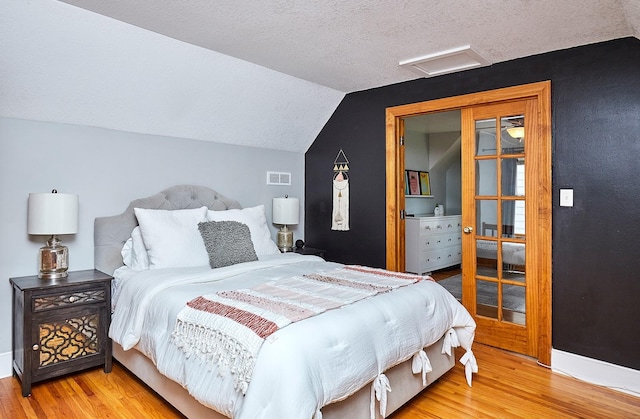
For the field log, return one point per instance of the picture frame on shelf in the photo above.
(425, 185)
(406, 182)
(413, 182)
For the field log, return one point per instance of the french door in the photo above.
(506, 211)
(498, 289)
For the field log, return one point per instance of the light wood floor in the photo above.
(507, 386)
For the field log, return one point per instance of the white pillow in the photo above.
(134, 254)
(127, 250)
(172, 238)
(256, 220)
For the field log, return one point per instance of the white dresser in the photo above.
(433, 243)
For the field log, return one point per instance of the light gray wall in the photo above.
(444, 166)
(416, 157)
(416, 154)
(108, 169)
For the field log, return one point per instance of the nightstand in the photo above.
(60, 326)
(309, 251)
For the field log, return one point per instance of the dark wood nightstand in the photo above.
(309, 251)
(60, 326)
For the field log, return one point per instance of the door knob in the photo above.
(467, 230)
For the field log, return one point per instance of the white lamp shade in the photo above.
(286, 211)
(516, 132)
(52, 213)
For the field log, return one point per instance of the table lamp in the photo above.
(53, 214)
(286, 211)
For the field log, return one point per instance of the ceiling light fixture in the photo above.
(516, 132)
(449, 61)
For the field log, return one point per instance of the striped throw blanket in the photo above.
(228, 328)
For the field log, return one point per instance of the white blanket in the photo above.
(302, 367)
(228, 328)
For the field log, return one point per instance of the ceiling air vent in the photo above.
(278, 178)
(450, 61)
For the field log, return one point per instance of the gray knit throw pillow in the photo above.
(227, 242)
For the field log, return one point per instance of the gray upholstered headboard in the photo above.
(110, 233)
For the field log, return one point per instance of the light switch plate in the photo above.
(566, 197)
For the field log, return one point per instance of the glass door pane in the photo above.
(500, 281)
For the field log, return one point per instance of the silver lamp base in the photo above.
(53, 260)
(284, 239)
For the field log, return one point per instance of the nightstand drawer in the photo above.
(89, 296)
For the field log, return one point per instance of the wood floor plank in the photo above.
(507, 385)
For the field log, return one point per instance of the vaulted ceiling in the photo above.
(357, 44)
(256, 73)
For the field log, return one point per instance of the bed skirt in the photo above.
(404, 386)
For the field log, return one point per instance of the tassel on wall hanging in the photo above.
(340, 213)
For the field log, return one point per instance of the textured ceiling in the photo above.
(357, 44)
(256, 73)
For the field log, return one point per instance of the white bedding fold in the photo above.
(302, 367)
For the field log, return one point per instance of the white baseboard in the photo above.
(6, 369)
(596, 372)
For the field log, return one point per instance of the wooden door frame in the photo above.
(395, 227)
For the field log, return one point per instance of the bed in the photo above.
(513, 254)
(393, 340)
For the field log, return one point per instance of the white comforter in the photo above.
(302, 367)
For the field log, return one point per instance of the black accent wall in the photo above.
(596, 151)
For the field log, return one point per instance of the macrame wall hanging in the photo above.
(340, 213)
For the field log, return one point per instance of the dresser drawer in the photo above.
(440, 258)
(432, 243)
(439, 226)
(437, 241)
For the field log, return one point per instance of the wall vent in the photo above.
(278, 178)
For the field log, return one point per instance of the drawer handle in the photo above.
(35, 347)
(449, 226)
(439, 226)
(428, 228)
(73, 299)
